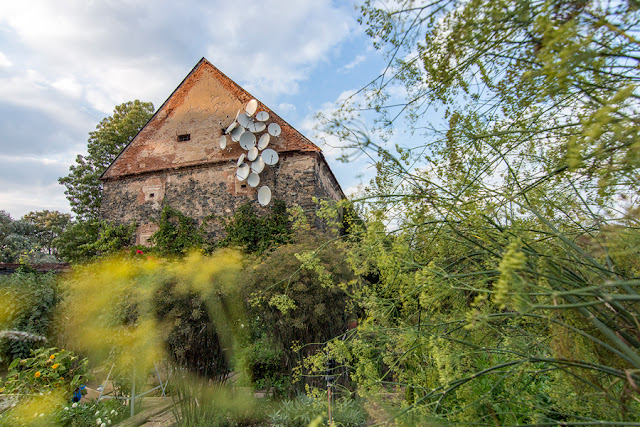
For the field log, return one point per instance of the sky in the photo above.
(65, 64)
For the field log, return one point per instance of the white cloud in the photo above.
(4, 61)
(357, 60)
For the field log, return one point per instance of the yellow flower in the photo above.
(38, 374)
(53, 356)
(55, 366)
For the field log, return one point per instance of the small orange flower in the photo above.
(53, 356)
(55, 366)
(38, 374)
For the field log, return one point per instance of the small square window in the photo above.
(185, 137)
(151, 195)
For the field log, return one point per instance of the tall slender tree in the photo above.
(113, 133)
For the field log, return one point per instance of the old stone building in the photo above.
(177, 159)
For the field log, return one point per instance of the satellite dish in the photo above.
(251, 107)
(243, 119)
(231, 127)
(248, 140)
(264, 141)
(258, 165)
(253, 180)
(252, 154)
(269, 156)
(243, 172)
(274, 129)
(236, 133)
(251, 126)
(262, 116)
(264, 195)
(258, 127)
(223, 142)
(241, 159)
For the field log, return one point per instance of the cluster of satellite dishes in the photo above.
(245, 130)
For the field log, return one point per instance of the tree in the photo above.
(504, 237)
(84, 189)
(48, 226)
(17, 239)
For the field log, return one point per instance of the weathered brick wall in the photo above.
(213, 189)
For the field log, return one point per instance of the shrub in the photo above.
(28, 301)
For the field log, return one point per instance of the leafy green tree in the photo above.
(49, 225)
(113, 133)
(77, 243)
(17, 239)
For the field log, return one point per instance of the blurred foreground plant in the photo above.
(110, 312)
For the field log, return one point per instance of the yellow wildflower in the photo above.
(38, 374)
(55, 366)
(53, 356)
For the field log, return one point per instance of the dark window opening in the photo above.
(185, 137)
(151, 195)
(243, 186)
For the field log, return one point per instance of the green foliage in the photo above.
(76, 243)
(200, 404)
(48, 369)
(28, 303)
(49, 225)
(254, 233)
(17, 239)
(82, 241)
(191, 337)
(177, 233)
(298, 295)
(113, 133)
(114, 237)
(304, 410)
(262, 357)
(501, 244)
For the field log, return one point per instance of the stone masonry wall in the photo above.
(213, 189)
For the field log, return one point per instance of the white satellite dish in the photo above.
(274, 129)
(243, 119)
(252, 154)
(269, 156)
(223, 142)
(258, 165)
(248, 140)
(231, 127)
(264, 195)
(243, 172)
(251, 126)
(241, 159)
(253, 180)
(252, 106)
(264, 141)
(258, 127)
(262, 116)
(237, 133)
